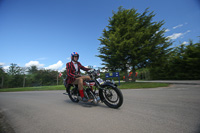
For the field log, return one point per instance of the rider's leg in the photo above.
(79, 81)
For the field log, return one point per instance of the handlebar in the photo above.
(94, 72)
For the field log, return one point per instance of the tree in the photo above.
(185, 62)
(2, 73)
(32, 69)
(14, 69)
(132, 40)
(181, 63)
(16, 76)
(191, 58)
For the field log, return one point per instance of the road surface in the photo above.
(174, 109)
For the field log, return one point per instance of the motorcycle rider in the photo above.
(74, 77)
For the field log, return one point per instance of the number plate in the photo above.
(100, 81)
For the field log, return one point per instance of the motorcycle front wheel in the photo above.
(111, 96)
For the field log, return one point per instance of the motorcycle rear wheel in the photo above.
(73, 94)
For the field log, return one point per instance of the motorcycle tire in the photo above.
(111, 96)
(73, 94)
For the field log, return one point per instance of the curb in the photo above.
(174, 82)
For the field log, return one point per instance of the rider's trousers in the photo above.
(80, 80)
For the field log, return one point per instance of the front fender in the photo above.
(108, 84)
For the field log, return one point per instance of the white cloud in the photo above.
(34, 63)
(187, 31)
(175, 36)
(68, 58)
(180, 25)
(167, 30)
(185, 42)
(6, 68)
(2, 64)
(56, 66)
(62, 70)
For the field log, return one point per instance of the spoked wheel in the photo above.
(112, 96)
(73, 94)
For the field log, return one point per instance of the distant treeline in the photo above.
(182, 63)
(26, 77)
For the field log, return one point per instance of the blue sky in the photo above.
(46, 32)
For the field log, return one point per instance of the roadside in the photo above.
(189, 82)
(123, 85)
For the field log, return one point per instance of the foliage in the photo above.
(2, 76)
(38, 88)
(132, 40)
(27, 77)
(182, 63)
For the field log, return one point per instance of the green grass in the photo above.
(123, 85)
(39, 88)
(138, 85)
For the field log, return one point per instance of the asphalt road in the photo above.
(175, 109)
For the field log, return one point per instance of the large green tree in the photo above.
(132, 40)
(185, 62)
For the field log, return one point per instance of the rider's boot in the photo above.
(83, 98)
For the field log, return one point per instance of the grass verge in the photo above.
(39, 88)
(129, 85)
(138, 85)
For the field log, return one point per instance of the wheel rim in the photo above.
(111, 95)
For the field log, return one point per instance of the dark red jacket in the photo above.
(71, 71)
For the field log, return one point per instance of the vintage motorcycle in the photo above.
(97, 90)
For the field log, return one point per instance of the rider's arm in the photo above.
(83, 68)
